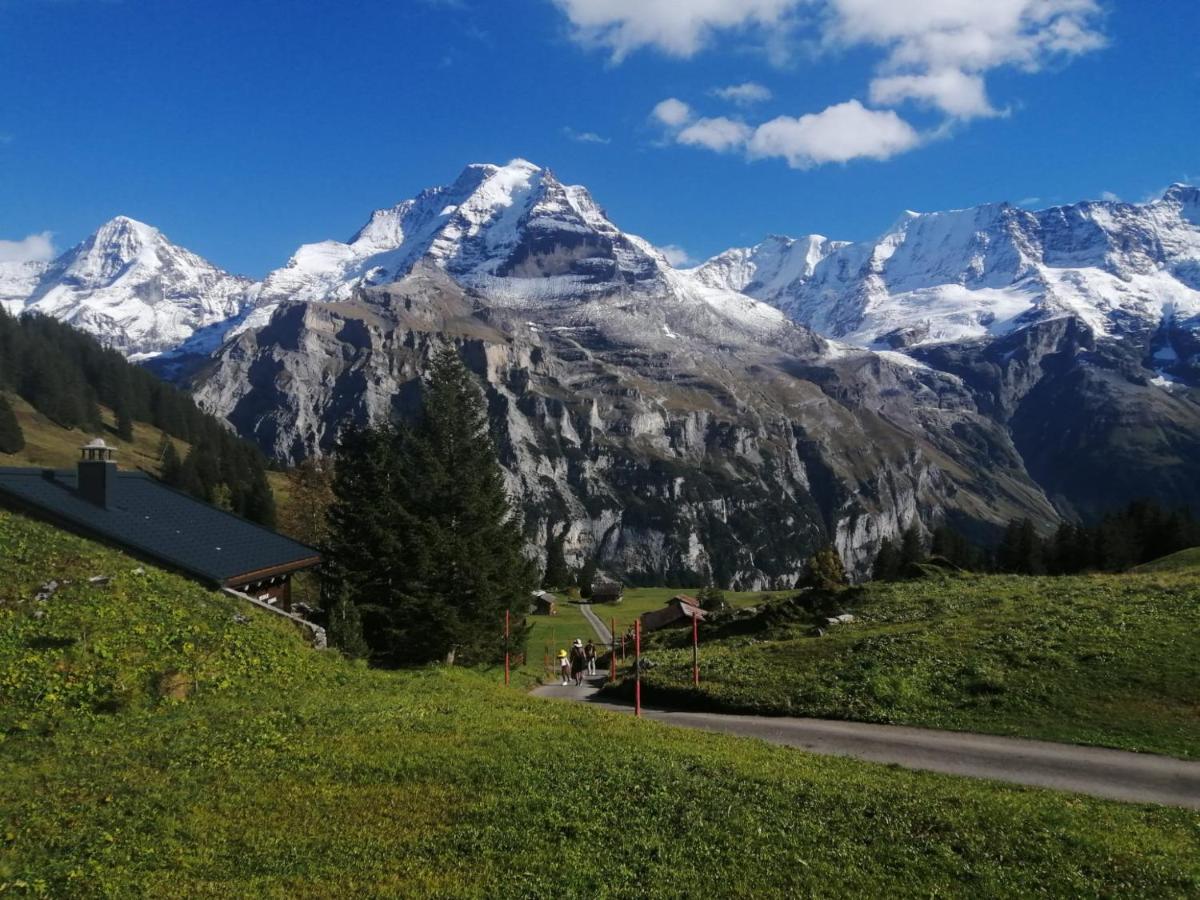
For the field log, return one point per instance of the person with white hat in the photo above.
(578, 662)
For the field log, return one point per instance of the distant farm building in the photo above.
(607, 592)
(685, 598)
(143, 517)
(544, 604)
(675, 614)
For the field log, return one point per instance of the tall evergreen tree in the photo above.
(422, 534)
(912, 547)
(887, 562)
(466, 560)
(124, 421)
(12, 439)
(558, 574)
(586, 576)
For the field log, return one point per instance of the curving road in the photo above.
(598, 626)
(1112, 774)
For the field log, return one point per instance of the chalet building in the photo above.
(607, 592)
(544, 604)
(147, 519)
(685, 598)
(675, 614)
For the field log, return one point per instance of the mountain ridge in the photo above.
(668, 424)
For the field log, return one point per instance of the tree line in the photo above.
(67, 375)
(1137, 533)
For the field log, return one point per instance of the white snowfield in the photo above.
(521, 239)
(135, 290)
(985, 271)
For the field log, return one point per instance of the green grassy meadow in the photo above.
(284, 772)
(1111, 660)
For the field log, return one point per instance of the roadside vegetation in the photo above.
(280, 771)
(1097, 659)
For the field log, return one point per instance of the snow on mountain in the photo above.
(18, 279)
(514, 234)
(985, 271)
(136, 291)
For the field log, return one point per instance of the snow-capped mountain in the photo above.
(17, 281)
(984, 272)
(132, 288)
(513, 233)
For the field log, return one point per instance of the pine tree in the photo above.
(172, 466)
(887, 562)
(912, 548)
(586, 576)
(12, 439)
(464, 564)
(124, 421)
(712, 599)
(558, 574)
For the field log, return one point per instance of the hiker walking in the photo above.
(589, 654)
(578, 662)
(564, 667)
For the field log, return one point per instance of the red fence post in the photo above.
(637, 667)
(506, 646)
(695, 650)
(612, 650)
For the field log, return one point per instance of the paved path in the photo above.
(598, 626)
(1112, 774)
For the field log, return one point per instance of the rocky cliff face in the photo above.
(623, 427)
(718, 422)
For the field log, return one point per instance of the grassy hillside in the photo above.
(1102, 659)
(1183, 561)
(288, 772)
(49, 444)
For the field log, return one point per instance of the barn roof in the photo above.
(158, 523)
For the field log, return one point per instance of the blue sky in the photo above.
(245, 129)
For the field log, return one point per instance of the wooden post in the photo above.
(695, 650)
(612, 651)
(637, 667)
(506, 646)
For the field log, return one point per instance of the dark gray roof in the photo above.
(158, 523)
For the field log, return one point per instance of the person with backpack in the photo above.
(578, 662)
(589, 654)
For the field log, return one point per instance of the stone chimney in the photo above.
(97, 473)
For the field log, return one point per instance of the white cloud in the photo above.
(584, 137)
(839, 133)
(672, 113)
(676, 27)
(34, 248)
(934, 52)
(743, 94)
(719, 133)
(938, 50)
(956, 93)
(676, 255)
(1110, 197)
